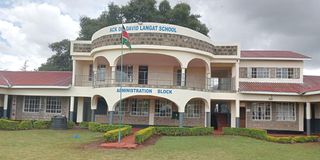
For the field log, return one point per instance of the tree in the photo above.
(61, 61)
(24, 66)
(134, 11)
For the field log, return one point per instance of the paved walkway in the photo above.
(127, 142)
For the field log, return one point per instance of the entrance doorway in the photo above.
(220, 115)
(242, 117)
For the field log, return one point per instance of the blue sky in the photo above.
(28, 26)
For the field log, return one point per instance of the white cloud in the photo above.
(26, 30)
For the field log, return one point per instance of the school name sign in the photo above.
(157, 28)
(145, 90)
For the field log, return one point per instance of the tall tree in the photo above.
(61, 61)
(134, 11)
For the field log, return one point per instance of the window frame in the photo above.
(262, 106)
(196, 106)
(281, 106)
(55, 108)
(166, 104)
(24, 105)
(128, 72)
(138, 108)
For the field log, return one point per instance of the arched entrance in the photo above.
(194, 114)
(220, 114)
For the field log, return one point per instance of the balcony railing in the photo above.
(156, 80)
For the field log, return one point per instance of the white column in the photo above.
(73, 72)
(237, 105)
(71, 108)
(183, 77)
(5, 106)
(80, 110)
(308, 117)
(233, 114)
(113, 74)
(301, 118)
(151, 112)
(235, 76)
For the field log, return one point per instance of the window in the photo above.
(260, 73)
(101, 74)
(127, 73)
(53, 105)
(286, 111)
(121, 110)
(288, 73)
(193, 109)
(163, 108)
(261, 111)
(31, 104)
(139, 107)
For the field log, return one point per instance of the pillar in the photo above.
(110, 114)
(183, 76)
(5, 106)
(308, 118)
(237, 105)
(208, 80)
(74, 72)
(151, 112)
(93, 119)
(181, 119)
(208, 119)
(71, 108)
(113, 74)
(80, 110)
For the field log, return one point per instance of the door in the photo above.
(242, 117)
(143, 75)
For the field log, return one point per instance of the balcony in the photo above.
(157, 80)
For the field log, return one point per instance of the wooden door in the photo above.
(242, 117)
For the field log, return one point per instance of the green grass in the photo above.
(50, 144)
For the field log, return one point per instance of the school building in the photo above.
(172, 76)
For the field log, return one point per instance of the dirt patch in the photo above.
(92, 145)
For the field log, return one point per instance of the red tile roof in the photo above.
(271, 54)
(34, 78)
(310, 83)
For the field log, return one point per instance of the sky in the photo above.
(27, 27)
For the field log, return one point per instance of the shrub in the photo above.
(8, 124)
(262, 134)
(39, 124)
(70, 124)
(144, 134)
(184, 131)
(254, 133)
(97, 127)
(84, 125)
(25, 125)
(112, 135)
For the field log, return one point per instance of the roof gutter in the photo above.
(272, 93)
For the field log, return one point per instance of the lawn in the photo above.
(50, 144)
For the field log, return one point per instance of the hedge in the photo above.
(184, 131)
(24, 125)
(144, 134)
(8, 124)
(84, 125)
(112, 135)
(39, 124)
(254, 133)
(262, 134)
(98, 127)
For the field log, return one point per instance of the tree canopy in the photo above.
(134, 11)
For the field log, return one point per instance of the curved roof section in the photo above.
(33, 78)
(148, 27)
(272, 54)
